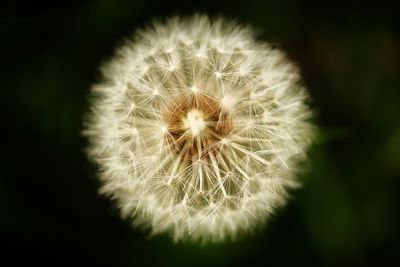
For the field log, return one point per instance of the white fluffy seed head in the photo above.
(198, 129)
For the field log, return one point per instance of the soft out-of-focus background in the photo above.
(346, 214)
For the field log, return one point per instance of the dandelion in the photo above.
(198, 129)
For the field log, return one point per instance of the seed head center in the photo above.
(194, 122)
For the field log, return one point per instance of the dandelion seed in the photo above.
(198, 129)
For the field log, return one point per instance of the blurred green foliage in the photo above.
(347, 212)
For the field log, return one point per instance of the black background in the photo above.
(346, 214)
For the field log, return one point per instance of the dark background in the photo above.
(346, 214)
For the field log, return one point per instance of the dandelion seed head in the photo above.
(198, 129)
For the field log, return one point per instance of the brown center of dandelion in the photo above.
(196, 124)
